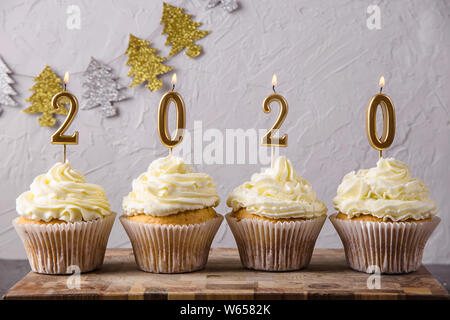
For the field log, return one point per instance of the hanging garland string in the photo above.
(159, 29)
(75, 73)
(101, 88)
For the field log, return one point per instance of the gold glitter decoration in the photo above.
(145, 64)
(47, 85)
(181, 31)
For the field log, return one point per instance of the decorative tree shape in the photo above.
(101, 88)
(181, 31)
(47, 85)
(145, 64)
(228, 5)
(5, 87)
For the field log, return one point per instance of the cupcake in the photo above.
(169, 217)
(64, 222)
(384, 218)
(275, 219)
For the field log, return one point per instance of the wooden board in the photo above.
(327, 277)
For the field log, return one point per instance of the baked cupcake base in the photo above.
(63, 247)
(269, 245)
(171, 248)
(392, 247)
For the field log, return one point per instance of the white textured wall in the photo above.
(328, 64)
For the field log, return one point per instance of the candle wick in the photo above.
(273, 88)
(381, 89)
(173, 87)
(65, 86)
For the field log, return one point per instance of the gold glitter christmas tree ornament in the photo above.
(181, 31)
(47, 85)
(145, 64)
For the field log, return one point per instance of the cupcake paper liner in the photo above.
(53, 248)
(393, 247)
(171, 248)
(280, 246)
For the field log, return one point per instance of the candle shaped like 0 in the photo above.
(388, 111)
(64, 96)
(163, 111)
(268, 139)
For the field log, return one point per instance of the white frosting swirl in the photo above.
(386, 191)
(170, 186)
(62, 193)
(277, 192)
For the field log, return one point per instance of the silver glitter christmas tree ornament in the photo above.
(228, 5)
(6, 91)
(101, 88)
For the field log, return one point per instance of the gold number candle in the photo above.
(163, 111)
(388, 110)
(268, 139)
(59, 137)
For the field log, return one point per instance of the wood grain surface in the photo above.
(327, 277)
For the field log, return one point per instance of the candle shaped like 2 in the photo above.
(268, 139)
(388, 110)
(59, 137)
(163, 109)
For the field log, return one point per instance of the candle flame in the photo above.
(66, 77)
(174, 78)
(381, 82)
(274, 80)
